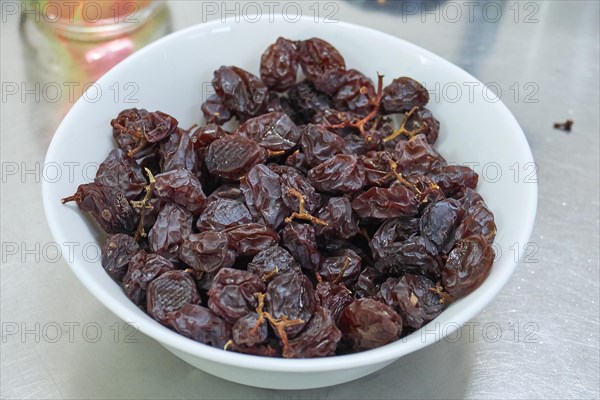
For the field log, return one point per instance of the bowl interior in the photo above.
(173, 75)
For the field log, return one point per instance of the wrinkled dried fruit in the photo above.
(223, 213)
(201, 324)
(272, 261)
(316, 56)
(251, 239)
(468, 265)
(117, 251)
(327, 181)
(368, 323)
(207, 252)
(121, 173)
(318, 339)
(143, 269)
(242, 93)
(413, 298)
(341, 173)
(279, 65)
(231, 295)
(182, 187)
(233, 156)
(169, 293)
(402, 95)
(291, 295)
(274, 131)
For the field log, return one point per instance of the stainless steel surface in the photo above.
(538, 339)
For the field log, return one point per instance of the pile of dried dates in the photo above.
(325, 223)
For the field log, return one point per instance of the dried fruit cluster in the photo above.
(317, 227)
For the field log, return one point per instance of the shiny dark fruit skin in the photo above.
(412, 297)
(173, 225)
(205, 135)
(128, 121)
(279, 65)
(215, 111)
(116, 252)
(292, 179)
(416, 254)
(392, 230)
(341, 173)
(368, 282)
(132, 126)
(274, 131)
(305, 102)
(121, 173)
(342, 222)
(241, 92)
(344, 267)
(200, 324)
(423, 118)
(383, 203)
(273, 259)
(300, 241)
(223, 213)
(250, 239)
(160, 124)
(334, 297)
(291, 295)
(207, 252)
(178, 152)
(316, 56)
(318, 339)
(108, 207)
(143, 269)
(417, 156)
(262, 191)
(478, 217)
(168, 293)
(182, 187)
(402, 95)
(367, 324)
(321, 220)
(229, 191)
(247, 331)
(377, 171)
(355, 93)
(319, 144)
(233, 156)
(452, 179)
(468, 265)
(439, 221)
(231, 295)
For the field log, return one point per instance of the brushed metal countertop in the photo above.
(539, 338)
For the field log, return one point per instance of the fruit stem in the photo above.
(360, 124)
(402, 129)
(302, 214)
(270, 275)
(75, 197)
(394, 167)
(444, 296)
(344, 268)
(279, 324)
(144, 206)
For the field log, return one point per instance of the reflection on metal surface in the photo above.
(61, 69)
(553, 44)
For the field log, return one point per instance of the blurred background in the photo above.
(539, 57)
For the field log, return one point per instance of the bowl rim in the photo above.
(387, 353)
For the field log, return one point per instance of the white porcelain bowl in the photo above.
(172, 74)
